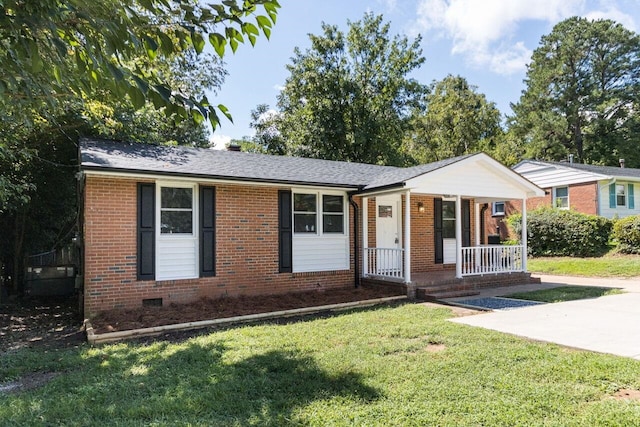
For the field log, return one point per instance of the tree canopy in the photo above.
(458, 120)
(54, 50)
(348, 97)
(581, 95)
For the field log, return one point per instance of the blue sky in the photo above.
(489, 42)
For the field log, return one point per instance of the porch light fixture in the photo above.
(420, 207)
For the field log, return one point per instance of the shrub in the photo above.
(627, 232)
(556, 232)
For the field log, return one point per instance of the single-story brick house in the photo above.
(607, 191)
(173, 224)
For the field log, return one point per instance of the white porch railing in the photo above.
(385, 262)
(491, 259)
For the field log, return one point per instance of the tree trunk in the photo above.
(18, 255)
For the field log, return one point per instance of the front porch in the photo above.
(430, 236)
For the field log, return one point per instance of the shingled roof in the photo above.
(611, 171)
(114, 156)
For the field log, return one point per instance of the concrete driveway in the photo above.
(609, 324)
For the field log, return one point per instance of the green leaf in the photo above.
(226, 112)
(151, 46)
(218, 42)
(137, 97)
(197, 41)
(166, 44)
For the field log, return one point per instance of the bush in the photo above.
(556, 232)
(627, 232)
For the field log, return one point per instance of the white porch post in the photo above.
(365, 237)
(458, 237)
(476, 210)
(524, 235)
(407, 237)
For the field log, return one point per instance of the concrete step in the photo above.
(435, 296)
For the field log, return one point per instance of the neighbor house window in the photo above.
(448, 219)
(621, 195)
(176, 210)
(561, 197)
(497, 209)
(332, 214)
(304, 213)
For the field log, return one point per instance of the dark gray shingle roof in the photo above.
(165, 160)
(233, 165)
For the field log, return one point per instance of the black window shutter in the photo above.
(146, 260)
(285, 230)
(207, 231)
(437, 230)
(466, 223)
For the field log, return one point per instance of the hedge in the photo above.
(558, 232)
(627, 232)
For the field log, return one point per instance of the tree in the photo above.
(582, 94)
(54, 50)
(348, 97)
(458, 120)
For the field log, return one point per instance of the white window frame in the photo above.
(495, 212)
(555, 197)
(169, 237)
(624, 194)
(320, 213)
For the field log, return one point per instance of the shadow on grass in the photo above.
(197, 382)
(565, 293)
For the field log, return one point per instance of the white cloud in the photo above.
(483, 31)
(279, 88)
(610, 11)
(219, 142)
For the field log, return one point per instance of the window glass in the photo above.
(448, 220)
(176, 197)
(498, 208)
(304, 213)
(385, 211)
(621, 199)
(176, 210)
(332, 214)
(561, 199)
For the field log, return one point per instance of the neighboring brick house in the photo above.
(173, 224)
(595, 190)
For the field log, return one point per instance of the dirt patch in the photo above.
(208, 309)
(627, 394)
(45, 322)
(28, 382)
(435, 348)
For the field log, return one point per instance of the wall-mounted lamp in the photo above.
(420, 207)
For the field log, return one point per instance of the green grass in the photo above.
(403, 365)
(565, 293)
(605, 266)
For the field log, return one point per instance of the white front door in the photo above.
(388, 235)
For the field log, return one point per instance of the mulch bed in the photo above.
(208, 309)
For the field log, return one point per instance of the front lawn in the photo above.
(403, 365)
(610, 265)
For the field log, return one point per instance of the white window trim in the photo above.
(625, 188)
(319, 213)
(194, 236)
(493, 209)
(555, 197)
(306, 239)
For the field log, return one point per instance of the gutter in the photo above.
(356, 252)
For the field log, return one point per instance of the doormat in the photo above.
(497, 303)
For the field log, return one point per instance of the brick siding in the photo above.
(246, 249)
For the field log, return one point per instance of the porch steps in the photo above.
(470, 286)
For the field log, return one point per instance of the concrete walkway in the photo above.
(609, 324)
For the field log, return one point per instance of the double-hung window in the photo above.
(320, 240)
(621, 195)
(176, 210)
(561, 197)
